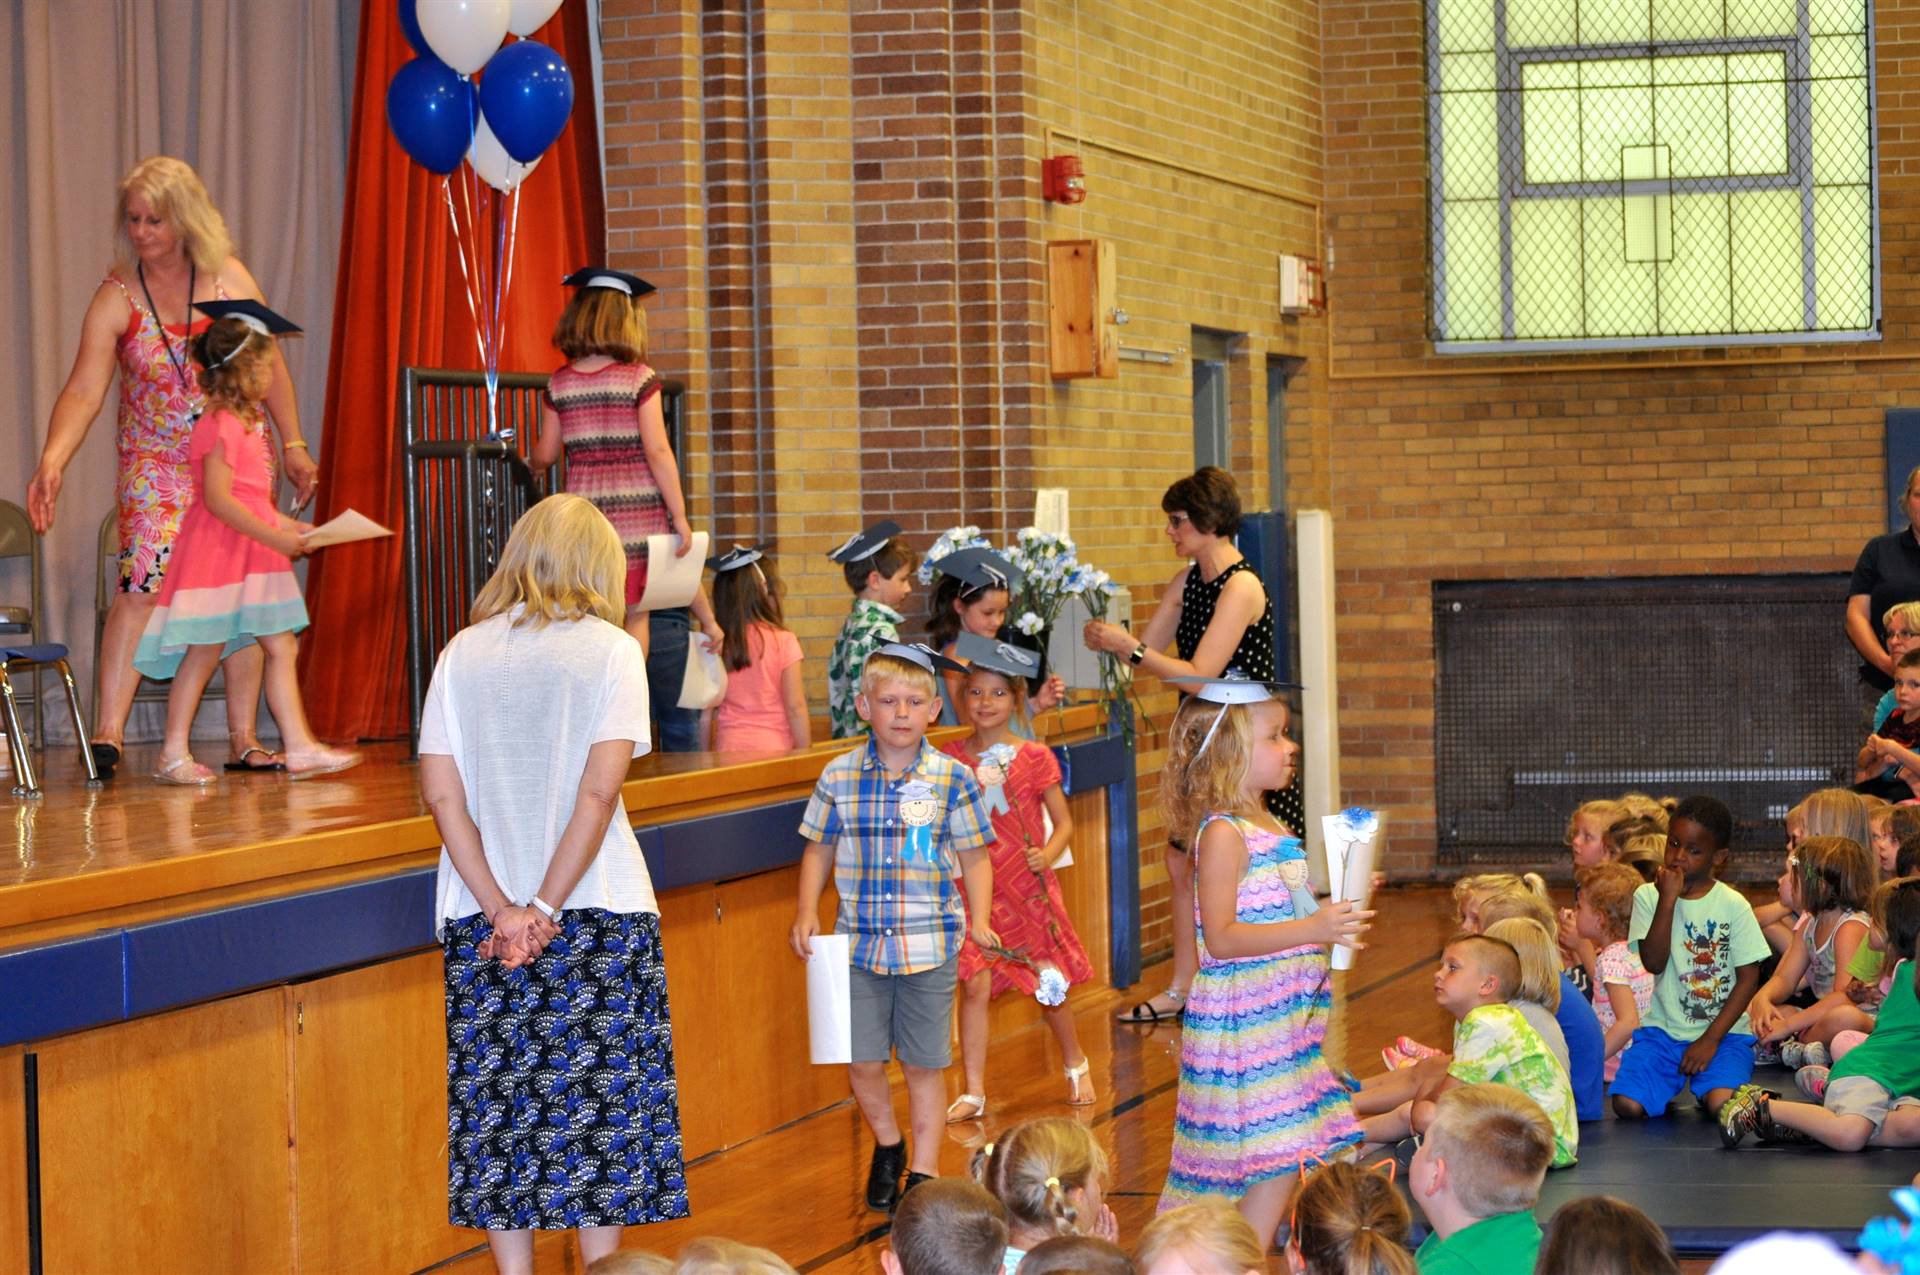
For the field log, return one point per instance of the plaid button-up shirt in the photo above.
(870, 626)
(895, 843)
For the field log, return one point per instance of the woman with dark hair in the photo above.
(1217, 616)
(1886, 574)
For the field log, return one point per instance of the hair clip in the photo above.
(1892, 1240)
(1052, 1183)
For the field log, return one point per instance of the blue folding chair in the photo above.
(33, 657)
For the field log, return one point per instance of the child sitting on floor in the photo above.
(1869, 1097)
(1207, 1237)
(1051, 1176)
(1349, 1221)
(1698, 937)
(1476, 1175)
(1622, 988)
(1828, 882)
(948, 1226)
(1600, 1235)
(1076, 1255)
(1493, 1043)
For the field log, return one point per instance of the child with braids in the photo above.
(1257, 1100)
(1051, 1176)
(231, 580)
(1349, 1221)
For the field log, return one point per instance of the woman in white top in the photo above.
(562, 1106)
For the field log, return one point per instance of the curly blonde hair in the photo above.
(1195, 784)
(178, 195)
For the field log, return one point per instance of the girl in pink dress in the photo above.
(603, 410)
(765, 709)
(231, 578)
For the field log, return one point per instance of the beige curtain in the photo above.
(253, 94)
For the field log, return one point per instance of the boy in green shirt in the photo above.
(879, 569)
(1476, 1176)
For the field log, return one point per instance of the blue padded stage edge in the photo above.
(1707, 1198)
(123, 973)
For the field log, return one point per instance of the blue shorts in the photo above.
(1650, 1068)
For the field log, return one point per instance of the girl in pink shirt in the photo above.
(765, 709)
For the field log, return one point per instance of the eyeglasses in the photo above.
(1389, 1167)
(1177, 521)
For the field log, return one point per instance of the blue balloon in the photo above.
(410, 27)
(431, 109)
(527, 94)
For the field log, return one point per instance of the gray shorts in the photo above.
(909, 1015)
(1865, 1097)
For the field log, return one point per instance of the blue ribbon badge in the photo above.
(919, 807)
(992, 774)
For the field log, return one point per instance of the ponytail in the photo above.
(1034, 1168)
(1350, 1221)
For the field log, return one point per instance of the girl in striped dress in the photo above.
(603, 410)
(1257, 1101)
(230, 580)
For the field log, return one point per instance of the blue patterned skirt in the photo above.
(562, 1109)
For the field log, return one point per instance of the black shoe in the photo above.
(913, 1180)
(883, 1176)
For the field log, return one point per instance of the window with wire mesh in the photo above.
(1649, 172)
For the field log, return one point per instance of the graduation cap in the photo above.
(1232, 689)
(601, 277)
(735, 558)
(866, 543)
(979, 568)
(1003, 658)
(252, 313)
(923, 655)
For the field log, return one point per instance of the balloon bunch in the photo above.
(501, 129)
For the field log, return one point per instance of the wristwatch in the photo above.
(1139, 654)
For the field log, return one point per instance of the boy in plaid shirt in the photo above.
(889, 818)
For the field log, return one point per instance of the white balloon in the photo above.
(464, 33)
(530, 15)
(490, 159)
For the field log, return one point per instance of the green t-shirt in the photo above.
(1891, 1055)
(1495, 1044)
(1504, 1244)
(1868, 963)
(1713, 936)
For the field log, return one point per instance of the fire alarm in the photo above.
(1063, 180)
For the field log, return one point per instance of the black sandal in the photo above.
(1146, 1015)
(105, 757)
(243, 764)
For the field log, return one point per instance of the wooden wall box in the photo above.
(1080, 297)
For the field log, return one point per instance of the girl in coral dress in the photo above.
(231, 578)
(1039, 954)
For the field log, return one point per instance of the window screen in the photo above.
(1606, 172)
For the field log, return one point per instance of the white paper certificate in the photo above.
(671, 581)
(342, 529)
(829, 1000)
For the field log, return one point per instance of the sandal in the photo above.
(243, 762)
(1146, 1012)
(183, 771)
(1080, 1082)
(322, 761)
(106, 755)
(968, 1106)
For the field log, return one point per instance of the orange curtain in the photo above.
(399, 301)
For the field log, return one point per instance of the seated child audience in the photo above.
(1051, 1176)
(1827, 882)
(630, 1262)
(1888, 765)
(1698, 937)
(1645, 853)
(949, 1226)
(1827, 812)
(1537, 994)
(1622, 988)
(1871, 1097)
(879, 569)
(711, 1255)
(1492, 1044)
(1076, 1255)
(896, 821)
(1476, 1176)
(1349, 1221)
(1600, 1235)
(1207, 1237)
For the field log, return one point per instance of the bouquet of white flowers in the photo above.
(1045, 562)
(1116, 679)
(952, 539)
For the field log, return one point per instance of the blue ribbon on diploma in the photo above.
(1000, 756)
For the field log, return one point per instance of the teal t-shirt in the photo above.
(1891, 1055)
(1504, 1244)
(1713, 936)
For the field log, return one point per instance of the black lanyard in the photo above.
(179, 365)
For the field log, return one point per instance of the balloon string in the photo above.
(460, 250)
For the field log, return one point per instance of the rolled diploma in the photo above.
(829, 1000)
(1349, 874)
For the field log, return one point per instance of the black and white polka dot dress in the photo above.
(1253, 658)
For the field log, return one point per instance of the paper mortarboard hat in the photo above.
(1232, 689)
(923, 655)
(1003, 658)
(601, 277)
(866, 543)
(252, 313)
(735, 558)
(979, 568)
